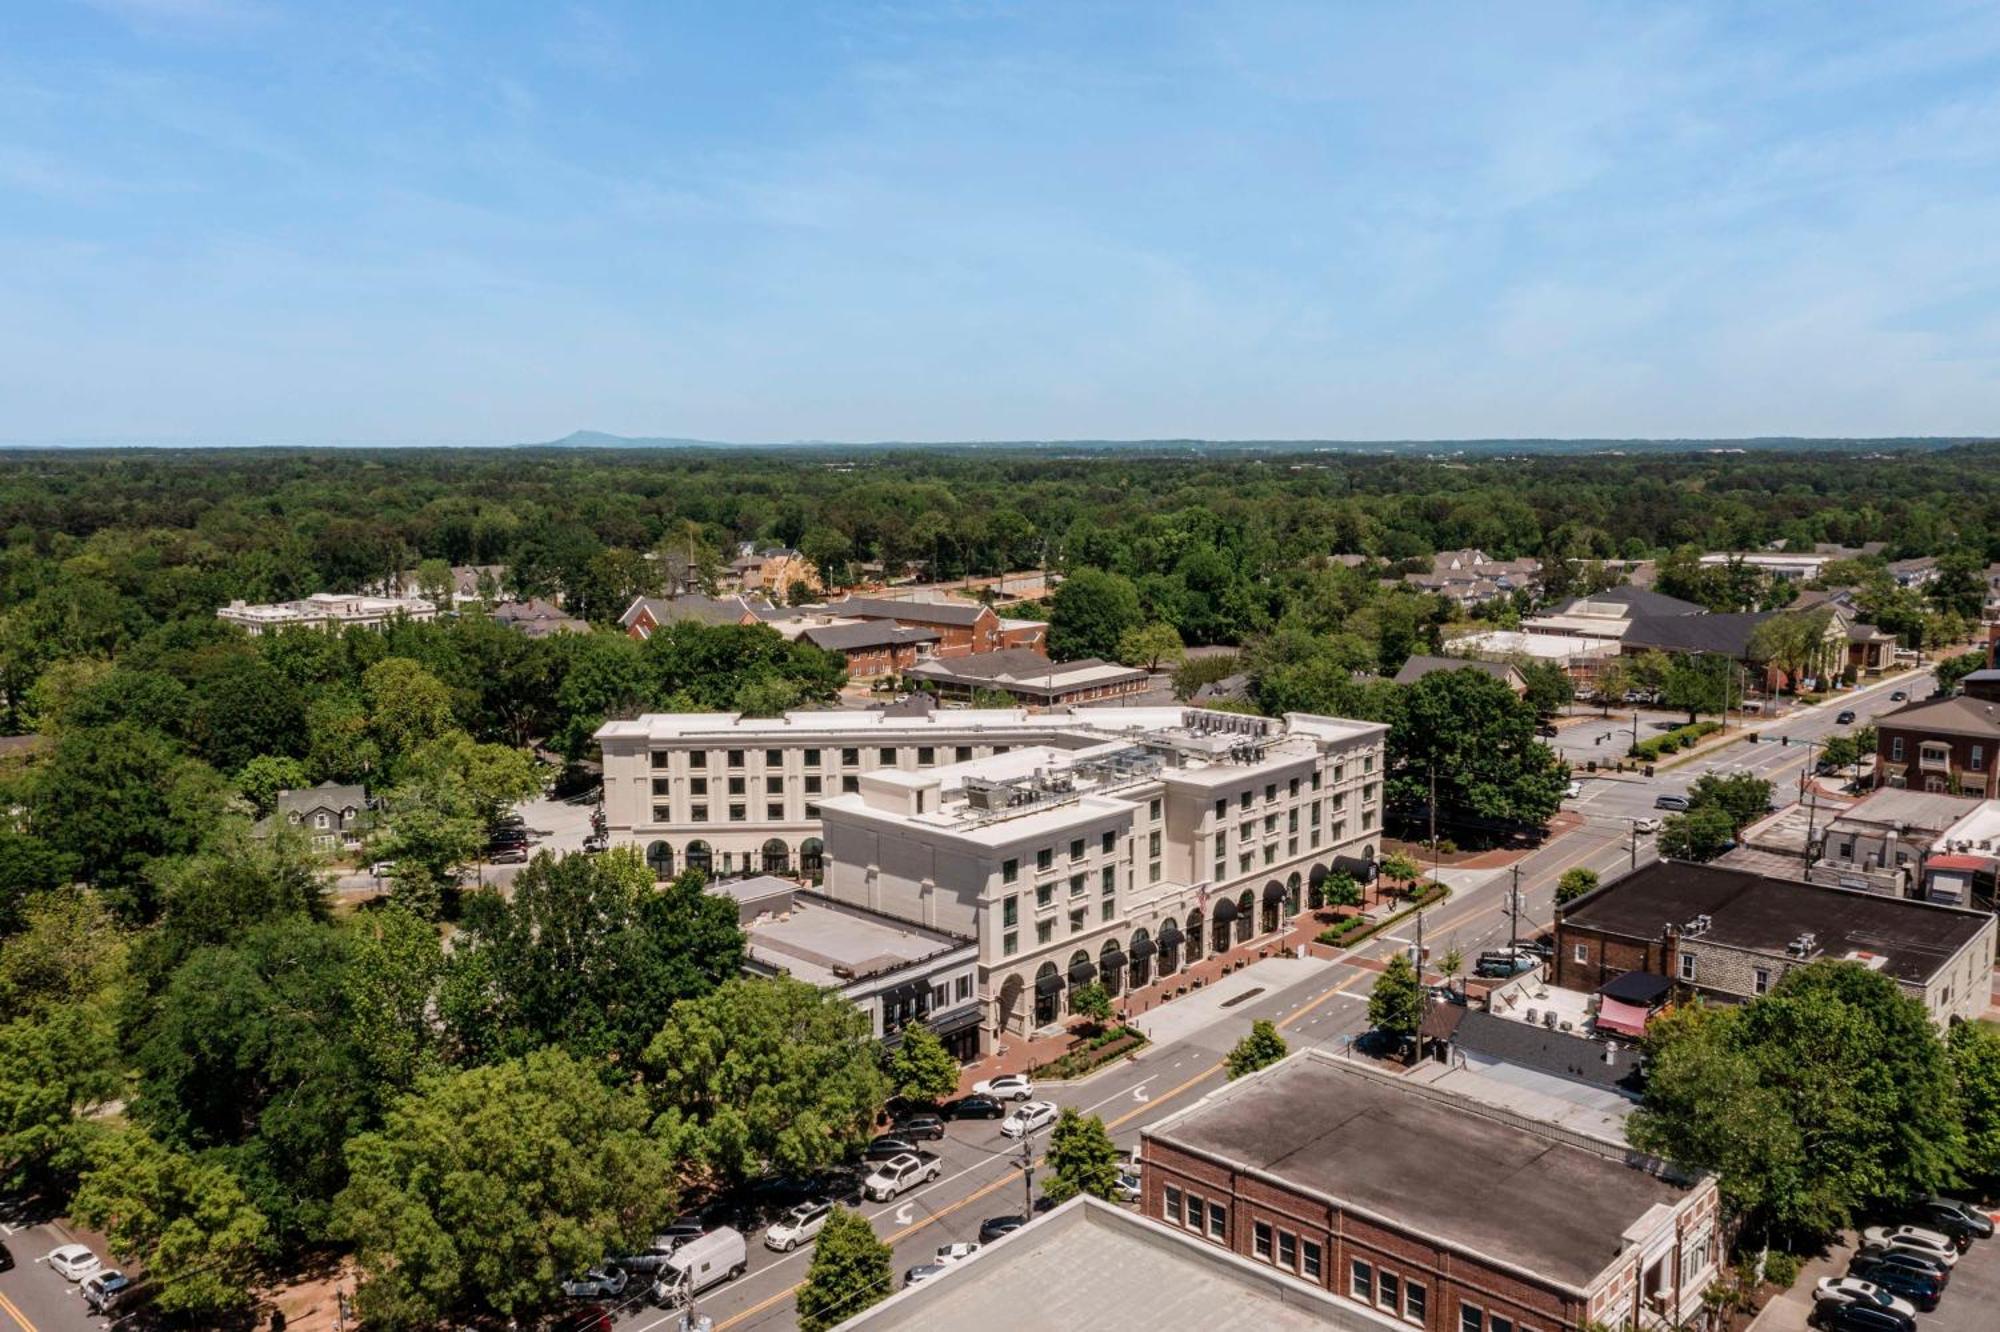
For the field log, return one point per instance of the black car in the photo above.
(888, 1145)
(923, 1128)
(1846, 718)
(1920, 1290)
(6, 1259)
(1962, 1221)
(1545, 731)
(1862, 1318)
(1899, 697)
(998, 1227)
(1908, 1259)
(976, 1107)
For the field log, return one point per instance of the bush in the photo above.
(1681, 737)
(1333, 936)
(1781, 1269)
(1099, 1050)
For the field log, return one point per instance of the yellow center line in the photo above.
(8, 1306)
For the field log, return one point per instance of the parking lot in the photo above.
(1971, 1301)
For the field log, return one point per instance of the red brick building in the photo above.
(962, 629)
(1451, 1215)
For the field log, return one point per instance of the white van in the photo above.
(719, 1256)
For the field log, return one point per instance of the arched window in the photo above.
(1246, 904)
(777, 857)
(1048, 994)
(1292, 890)
(812, 858)
(660, 857)
(1194, 936)
(1111, 966)
(700, 857)
(1140, 958)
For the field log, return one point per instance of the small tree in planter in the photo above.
(1403, 870)
(1091, 1002)
(1340, 890)
(1452, 963)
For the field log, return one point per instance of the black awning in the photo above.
(1355, 867)
(1111, 957)
(1637, 987)
(1145, 948)
(1048, 984)
(1274, 891)
(1082, 973)
(1170, 934)
(1319, 872)
(1225, 910)
(954, 1021)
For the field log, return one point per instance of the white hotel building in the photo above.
(1109, 844)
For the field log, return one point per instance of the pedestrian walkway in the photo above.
(1185, 1017)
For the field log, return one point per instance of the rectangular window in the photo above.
(962, 991)
(1896, 749)
(774, 813)
(962, 754)
(1153, 810)
(1243, 799)
(661, 758)
(1293, 790)
(1270, 853)
(1271, 824)
(1368, 763)
(1340, 772)
(735, 758)
(1152, 844)
(1582, 953)
(1222, 808)
(736, 786)
(1153, 872)
(1076, 884)
(1260, 1240)
(1687, 966)
(1109, 908)
(1288, 1251)
(1218, 1220)
(663, 786)
(1045, 858)
(698, 813)
(1108, 843)
(812, 758)
(1315, 779)
(1109, 879)
(926, 755)
(774, 758)
(1010, 911)
(887, 757)
(1010, 944)
(1413, 1302)
(663, 813)
(1243, 862)
(737, 814)
(1045, 894)
(1271, 791)
(1045, 931)
(1388, 1291)
(774, 786)
(1498, 1324)
(698, 759)
(813, 785)
(1471, 1318)
(1361, 1281)
(698, 786)
(1076, 922)
(1309, 1260)
(1076, 849)
(1196, 1211)
(1979, 758)
(849, 784)
(1171, 1208)
(1010, 871)
(1761, 979)
(851, 757)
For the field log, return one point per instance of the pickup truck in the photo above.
(899, 1173)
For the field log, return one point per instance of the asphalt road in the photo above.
(33, 1297)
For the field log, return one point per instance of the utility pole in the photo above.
(1635, 844)
(1027, 1164)
(1514, 910)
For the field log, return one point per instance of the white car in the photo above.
(74, 1261)
(1006, 1087)
(1028, 1117)
(1127, 1188)
(1914, 1239)
(103, 1289)
(1646, 825)
(1853, 1290)
(1573, 790)
(797, 1226)
(599, 1283)
(956, 1253)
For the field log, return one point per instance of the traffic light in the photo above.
(1785, 739)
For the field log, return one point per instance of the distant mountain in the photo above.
(1435, 448)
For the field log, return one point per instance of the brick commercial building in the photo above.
(963, 628)
(1450, 1215)
(1732, 934)
(1949, 745)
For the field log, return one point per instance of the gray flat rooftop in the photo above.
(829, 943)
(1090, 1265)
(1433, 1165)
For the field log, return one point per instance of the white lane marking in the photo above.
(906, 1214)
(1118, 1095)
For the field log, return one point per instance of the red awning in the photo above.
(1958, 863)
(1626, 1019)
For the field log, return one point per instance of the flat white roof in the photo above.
(1979, 830)
(1542, 647)
(735, 727)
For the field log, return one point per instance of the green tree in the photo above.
(1091, 1002)
(1451, 964)
(435, 583)
(1974, 1049)
(1952, 670)
(485, 1188)
(1698, 835)
(1396, 1003)
(185, 1219)
(1743, 797)
(1829, 1096)
(1959, 586)
(1613, 680)
(1550, 689)
(1090, 612)
(394, 966)
(922, 1069)
(1468, 732)
(1341, 890)
(1401, 867)
(850, 1271)
(262, 778)
(407, 705)
(766, 1074)
(1261, 1047)
(1574, 883)
(1082, 1158)
(1151, 646)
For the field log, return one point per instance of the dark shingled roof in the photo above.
(873, 633)
(1416, 668)
(1946, 716)
(1417, 1157)
(1558, 1053)
(1727, 635)
(1642, 600)
(1762, 914)
(917, 612)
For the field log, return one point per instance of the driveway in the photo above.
(1968, 1304)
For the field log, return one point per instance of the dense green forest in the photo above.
(297, 1079)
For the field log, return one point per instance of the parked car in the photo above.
(1646, 826)
(796, 1227)
(596, 844)
(382, 869)
(1853, 1290)
(999, 1227)
(1676, 803)
(1910, 1260)
(1028, 1117)
(507, 855)
(599, 1283)
(1862, 1318)
(1917, 1238)
(888, 1146)
(74, 1262)
(1127, 1189)
(104, 1289)
(1952, 1217)
(1919, 1288)
(1546, 731)
(1006, 1087)
(1500, 963)
(902, 1173)
(957, 1252)
(1900, 696)
(921, 1128)
(1846, 717)
(6, 1258)
(976, 1106)
(1573, 790)
(923, 1272)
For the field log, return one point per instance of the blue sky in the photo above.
(245, 220)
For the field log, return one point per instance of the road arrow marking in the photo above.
(905, 1214)
(1139, 1094)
